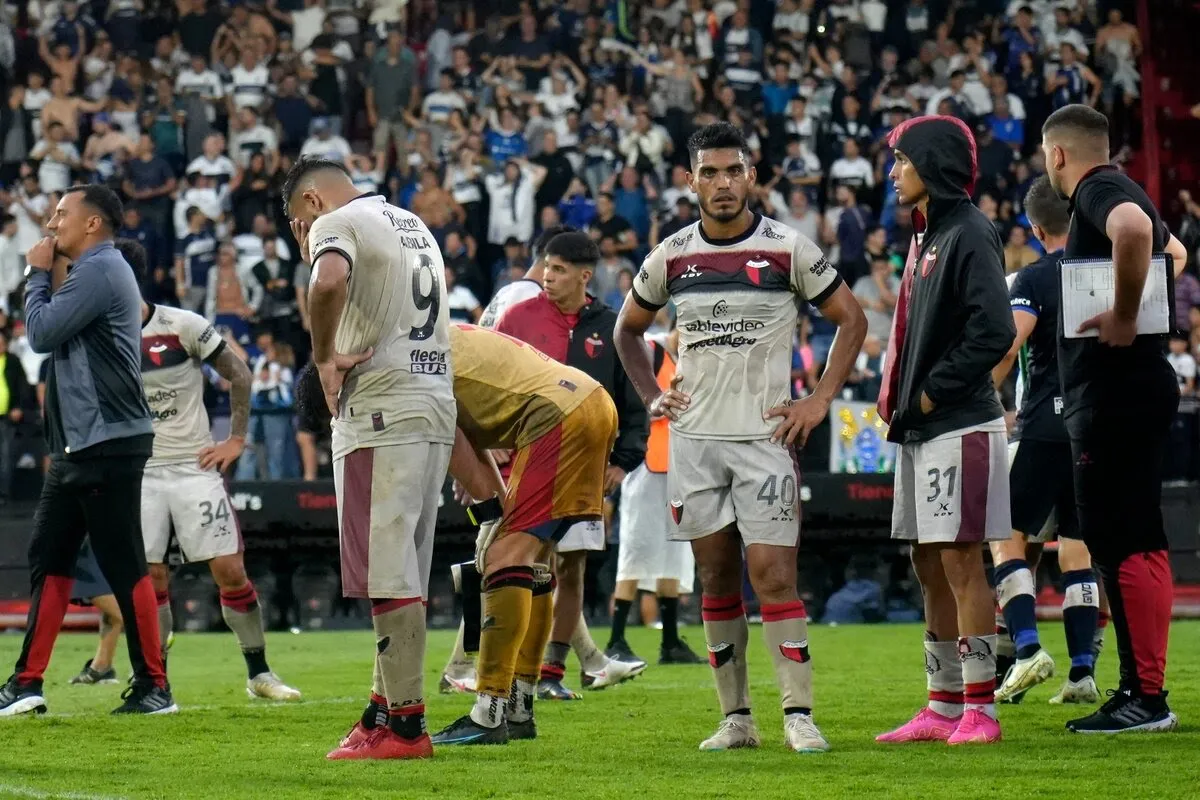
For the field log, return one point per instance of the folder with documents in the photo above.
(1089, 288)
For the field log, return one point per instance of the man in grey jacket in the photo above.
(99, 436)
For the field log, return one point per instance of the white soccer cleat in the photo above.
(1082, 691)
(803, 735)
(735, 731)
(1025, 674)
(268, 686)
(462, 682)
(614, 672)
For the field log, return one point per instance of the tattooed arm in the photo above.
(233, 369)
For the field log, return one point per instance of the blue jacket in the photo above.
(93, 327)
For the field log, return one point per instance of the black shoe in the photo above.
(1128, 712)
(89, 676)
(142, 698)
(465, 730)
(549, 689)
(620, 650)
(678, 653)
(21, 698)
(522, 730)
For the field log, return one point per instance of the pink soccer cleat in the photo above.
(926, 726)
(976, 728)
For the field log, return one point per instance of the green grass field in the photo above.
(637, 740)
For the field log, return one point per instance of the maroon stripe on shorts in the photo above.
(973, 486)
(357, 473)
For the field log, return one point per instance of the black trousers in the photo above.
(101, 498)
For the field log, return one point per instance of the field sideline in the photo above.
(637, 740)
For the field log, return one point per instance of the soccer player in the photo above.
(1119, 399)
(952, 327)
(91, 588)
(647, 558)
(381, 345)
(182, 487)
(1042, 488)
(736, 279)
(561, 424)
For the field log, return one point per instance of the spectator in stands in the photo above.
(512, 209)
(1017, 251)
(15, 400)
(877, 293)
(464, 306)
(271, 408)
(1187, 296)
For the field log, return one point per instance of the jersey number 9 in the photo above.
(425, 299)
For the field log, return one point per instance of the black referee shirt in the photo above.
(1092, 373)
(1035, 291)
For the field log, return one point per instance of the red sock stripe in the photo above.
(980, 693)
(407, 711)
(553, 672)
(777, 612)
(509, 576)
(721, 609)
(946, 697)
(162, 598)
(378, 700)
(241, 600)
(384, 606)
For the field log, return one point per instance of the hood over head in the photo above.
(943, 151)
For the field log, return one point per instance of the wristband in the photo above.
(487, 511)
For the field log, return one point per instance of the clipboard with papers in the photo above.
(1088, 288)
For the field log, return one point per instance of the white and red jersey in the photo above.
(738, 303)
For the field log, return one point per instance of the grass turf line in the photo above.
(638, 739)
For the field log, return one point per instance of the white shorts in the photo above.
(646, 553)
(388, 500)
(196, 501)
(713, 483)
(586, 535)
(954, 488)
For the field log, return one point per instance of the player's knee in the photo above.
(1073, 555)
(963, 566)
(720, 580)
(774, 583)
(229, 572)
(512, 550)
(927, 564)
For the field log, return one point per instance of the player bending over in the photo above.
(183, 484)
(733, 481)
(381, 345)
(952, 327)
(1042, 488)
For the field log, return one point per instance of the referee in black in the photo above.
(1119, 398)
(99, 436)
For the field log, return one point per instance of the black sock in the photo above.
(375, 713)
(1028, 651)
(742, 711)
(620, 617)
(668, 613)
(1079, 673)
(407, 726)
(256, 661)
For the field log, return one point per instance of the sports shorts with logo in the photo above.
(712, 483)
(586, 535)
(954, 488)
(646, 553)
(1042, 488)
(196, 502)
(388, 501)
(557, 480)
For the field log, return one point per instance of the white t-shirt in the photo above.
(250, 251)
(306, 25)
(506, 297)
(259, 139)
(462, 303)
(396, 303)
(249, 87)
(852, 172)
(29, 231)
(35, 99)
(54, 174)
(222, 168)
(1185, 367)
(335, 148)
(512, 211)
(437, 106)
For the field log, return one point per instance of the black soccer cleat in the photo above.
(1126, 712)
(465, 730)
(142, 698)
(21, 698)
(679, 653)
(522, 730)
(88, 676)
(620, 650)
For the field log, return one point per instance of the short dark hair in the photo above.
(1085, 123)
(1046, 209)
(539, 244)
(301, 170)
(135, 254)
(717, 136)
(576, 248)
(103, 201)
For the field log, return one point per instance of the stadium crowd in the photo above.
(493, 121)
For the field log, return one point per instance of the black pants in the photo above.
(1119, 449)
(101, 498)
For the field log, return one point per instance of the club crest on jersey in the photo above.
(155, 352)
(720, 654)
(795, 651)
(593, 345)
(677, 511)
(929, 262)
(754, 269)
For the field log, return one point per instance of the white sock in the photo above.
(488, 710)
(520, 702)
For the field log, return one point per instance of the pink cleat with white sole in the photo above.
(926, 726)
(976, 728)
